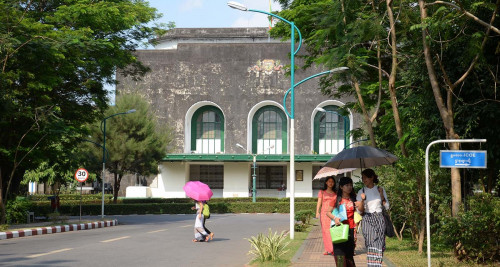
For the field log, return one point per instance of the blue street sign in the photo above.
(462, 159)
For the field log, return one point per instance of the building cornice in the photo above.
(246, 157)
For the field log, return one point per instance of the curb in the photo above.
(57, 229)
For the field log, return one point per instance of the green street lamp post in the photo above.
(103, 129)
(290, 91)
(254, 167)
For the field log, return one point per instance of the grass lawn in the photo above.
(405, 254)
(292, 248)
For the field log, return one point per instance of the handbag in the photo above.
(340, 233)
(357, 217)
(389, 229)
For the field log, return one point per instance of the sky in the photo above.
(212, 13)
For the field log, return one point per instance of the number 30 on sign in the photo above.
(81, 175)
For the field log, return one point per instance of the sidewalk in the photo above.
(311, 252)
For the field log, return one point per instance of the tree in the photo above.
(55, 57)
(136, 142)
(358, 35)
(448, 93)
(448, 70)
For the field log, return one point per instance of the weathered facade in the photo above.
(222, 87)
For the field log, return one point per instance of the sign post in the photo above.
(461, 161)
(81, 175)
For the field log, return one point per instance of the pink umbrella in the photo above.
(198, 190)
(327, 172)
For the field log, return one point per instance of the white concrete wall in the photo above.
(236, 179)
(302, 188)
(173, 176)
(138, 191)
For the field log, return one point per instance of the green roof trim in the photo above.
(246, 157)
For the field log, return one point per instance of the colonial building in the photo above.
(222, 91)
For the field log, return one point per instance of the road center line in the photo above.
(48, 253)
(115, 239)
(189, 225)
(157, 231)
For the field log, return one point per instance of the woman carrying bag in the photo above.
(344, 252)
(372, 198)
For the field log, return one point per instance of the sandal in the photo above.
(207, 238)
(327, 253)
(195, 240)
(211, 236)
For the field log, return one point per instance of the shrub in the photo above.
(474, 233)
(17, 210)
(270, 247)
(304, 216)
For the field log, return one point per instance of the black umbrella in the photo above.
(361, 157)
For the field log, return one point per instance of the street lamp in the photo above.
(103, 129)
(291, 114)
(254, 167)
(320, 109)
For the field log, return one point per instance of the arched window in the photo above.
(207, 130)
(330, 131)
(269, 134)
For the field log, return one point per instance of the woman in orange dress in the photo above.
(325, 196)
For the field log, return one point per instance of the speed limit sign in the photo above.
(81, 175)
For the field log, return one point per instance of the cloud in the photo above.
(191, 4)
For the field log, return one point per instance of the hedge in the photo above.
(63, 197)
(174, 208)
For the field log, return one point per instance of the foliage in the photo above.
(136, 142)
(405, 186)
(474, 233)
(92, 207)
(17, 210)
(64, 197)
(464, 57)
(270, 247)
(304, 216)
(55, 58)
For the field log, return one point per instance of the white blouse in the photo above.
(373, 203)
(198, 223)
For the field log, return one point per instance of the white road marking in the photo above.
(115, 239)
(189, 225)
(48, 253)
(157, 231)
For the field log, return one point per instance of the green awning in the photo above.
(246, 157)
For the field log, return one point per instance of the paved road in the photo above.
(145, 240)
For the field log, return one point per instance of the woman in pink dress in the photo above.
(325, 196)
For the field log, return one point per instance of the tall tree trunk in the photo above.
(445, 112)
(115, 188)
(3, 215)
(421, 235)
(365, 113)
(392, 79)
